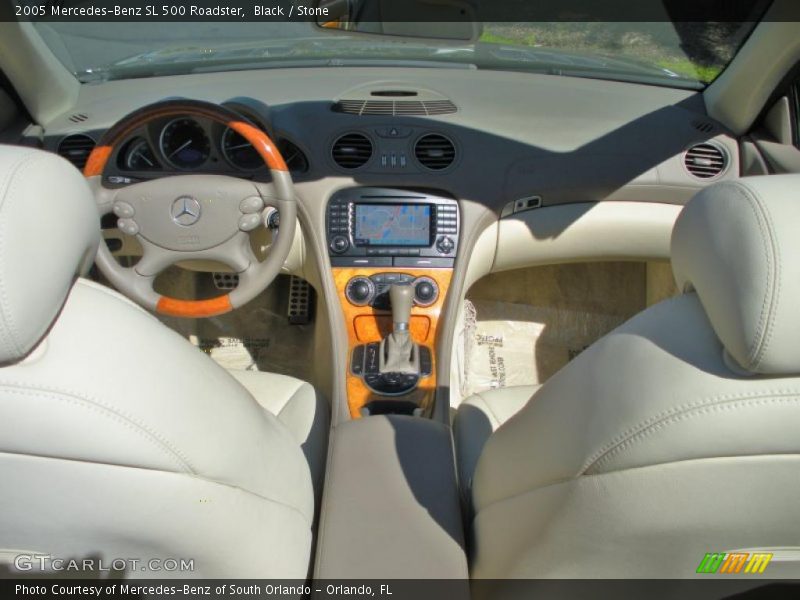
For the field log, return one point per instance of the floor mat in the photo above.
(520, 327)
(510, 344)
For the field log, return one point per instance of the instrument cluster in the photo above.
(187, 144)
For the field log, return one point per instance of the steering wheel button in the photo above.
(123, 210)
(128, 226)
(249, 222)
(251, 205)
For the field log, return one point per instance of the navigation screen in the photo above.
(393, 225)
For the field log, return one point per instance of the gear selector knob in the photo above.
(402, 298)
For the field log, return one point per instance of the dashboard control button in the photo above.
(273, 219)
(249, 222)
(251, 205)
(445, 245)
(426, 292)
(372, 358)
(124, 210)
(393, 132)
(339, 244)
(128, 226)
(357, 360)
(423, 262)
(425, 361)
(360, 291)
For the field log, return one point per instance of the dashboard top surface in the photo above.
(511, 135)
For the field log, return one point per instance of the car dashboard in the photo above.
(513, 170)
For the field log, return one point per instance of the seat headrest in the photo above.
(49, 232)
(737, 245)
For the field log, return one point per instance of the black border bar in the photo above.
(506, 11)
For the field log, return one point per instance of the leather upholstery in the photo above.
(650, 448)
(120, 439)
(39, 192)
(736, 244)
(476, 419)
(300, 408)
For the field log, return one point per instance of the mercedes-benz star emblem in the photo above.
(185, 211)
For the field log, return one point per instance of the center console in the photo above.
(392, 252)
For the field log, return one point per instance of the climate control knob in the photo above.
(426, 292)
(360, 291)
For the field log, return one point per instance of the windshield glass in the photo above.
(663, 53)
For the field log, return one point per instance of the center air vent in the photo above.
(396, 108)
(435, 152)
(76, 149)
(705, 161)
(352, 150)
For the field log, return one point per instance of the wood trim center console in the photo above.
(405, 235)
(366, 324)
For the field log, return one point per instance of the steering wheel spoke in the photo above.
(104, 197)
(194, 217)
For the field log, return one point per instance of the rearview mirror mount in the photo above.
(446, 20)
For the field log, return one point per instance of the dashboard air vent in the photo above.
(705, 161)
(76, 149)
(352, 150)
(393, 108)
(79, 117)
(435, 152)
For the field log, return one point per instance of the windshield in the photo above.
(663, 53)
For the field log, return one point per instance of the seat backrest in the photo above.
(118, 439)
(676, 434)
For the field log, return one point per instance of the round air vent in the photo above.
(435, 151)
(706, 161)
(352, 150)
(76, 149)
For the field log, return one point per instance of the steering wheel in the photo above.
(194, 217)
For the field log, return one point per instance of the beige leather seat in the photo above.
(478, 417)
(676, 434)
(119, 439)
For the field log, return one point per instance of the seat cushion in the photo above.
(297, 405)
(477, 418)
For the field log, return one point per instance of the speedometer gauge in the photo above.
(184, 144)
(239, 152)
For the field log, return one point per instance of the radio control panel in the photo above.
(383, 227)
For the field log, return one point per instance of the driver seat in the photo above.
(117, 437)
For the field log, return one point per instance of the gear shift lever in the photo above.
(398, 351)
(402, 298)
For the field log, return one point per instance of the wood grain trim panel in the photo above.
(365, 324)
(97, 161)
(194, 309)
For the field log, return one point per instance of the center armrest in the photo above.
(390, 508)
